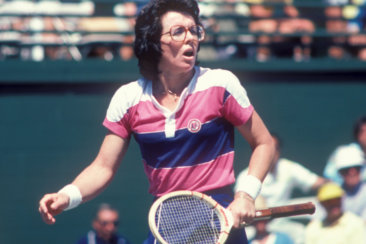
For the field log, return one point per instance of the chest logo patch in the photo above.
(194, 125)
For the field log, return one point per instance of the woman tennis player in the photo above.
(182, 116)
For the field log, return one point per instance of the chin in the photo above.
(184, 68)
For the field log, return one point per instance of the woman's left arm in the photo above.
(261, 142)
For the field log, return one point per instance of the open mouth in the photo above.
(188, 53)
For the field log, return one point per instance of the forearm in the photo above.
(262, 144)
(96, 177)
(261, 160)
(93, 180)
(242, 207)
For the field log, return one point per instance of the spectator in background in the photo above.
(276, 21)
(262, 21)
(294, 21)
(356, 16)
(349, 162)
(334, 23)
(262, 233)
(117, 41)
(129, 10)
(105, 226)
(338, 226)
(345, 17)
(284, 177)
(359, 145)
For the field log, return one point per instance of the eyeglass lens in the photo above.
(179, 33)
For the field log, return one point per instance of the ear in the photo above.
(95, 224)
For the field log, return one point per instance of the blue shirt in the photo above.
(92, 238)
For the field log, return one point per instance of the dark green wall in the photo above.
(50, 132)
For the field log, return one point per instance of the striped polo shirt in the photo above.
(192, 147)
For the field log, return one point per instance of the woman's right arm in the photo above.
(91, 181)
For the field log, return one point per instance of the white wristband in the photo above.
(74, 194)
(250, 185)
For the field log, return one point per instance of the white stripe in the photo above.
(170, 126)
(124, 98)
(226, 79)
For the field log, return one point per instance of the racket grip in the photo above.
(285, 211)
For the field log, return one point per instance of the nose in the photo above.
(190, 36)
(110, 227)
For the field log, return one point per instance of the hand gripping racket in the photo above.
(183, 217)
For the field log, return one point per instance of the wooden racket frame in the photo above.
(225, 217)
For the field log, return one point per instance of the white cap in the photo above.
(349, 157)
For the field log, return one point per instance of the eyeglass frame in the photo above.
(186, 29)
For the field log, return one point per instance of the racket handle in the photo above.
(285, 211)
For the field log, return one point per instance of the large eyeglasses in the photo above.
(179, 32)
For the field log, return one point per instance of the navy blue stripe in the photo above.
(186, 148)
(226, 95)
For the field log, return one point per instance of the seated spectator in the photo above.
(262, 21)
(263, 234)
(335, 24)
(294, 22)
(349, 162)
(219, 16)
(344, 18)
(105, 226)
(284, 177)
(129, 10)
(287, 20)
(117, 40)
(359, 133)
(356, 16)
(337, 226)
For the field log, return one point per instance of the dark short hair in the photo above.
(357, 126)
(104, 206)
(148, 30)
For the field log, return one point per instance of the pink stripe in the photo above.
(116, 128)
(146, 117)
(205, 111)
(235, 113)
(203, 177)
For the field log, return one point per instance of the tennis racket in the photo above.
(183, 217)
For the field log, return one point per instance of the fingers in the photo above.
(243, 211)
(242, 219)
(51, 205)
(44, 208)
(243, 224)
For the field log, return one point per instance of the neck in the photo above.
(328, 221)
(351, 189)
(174, 83)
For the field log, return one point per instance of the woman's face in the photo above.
(177, 56)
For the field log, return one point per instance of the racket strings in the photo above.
(185, 219)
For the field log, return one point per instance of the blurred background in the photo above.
(303, 64)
